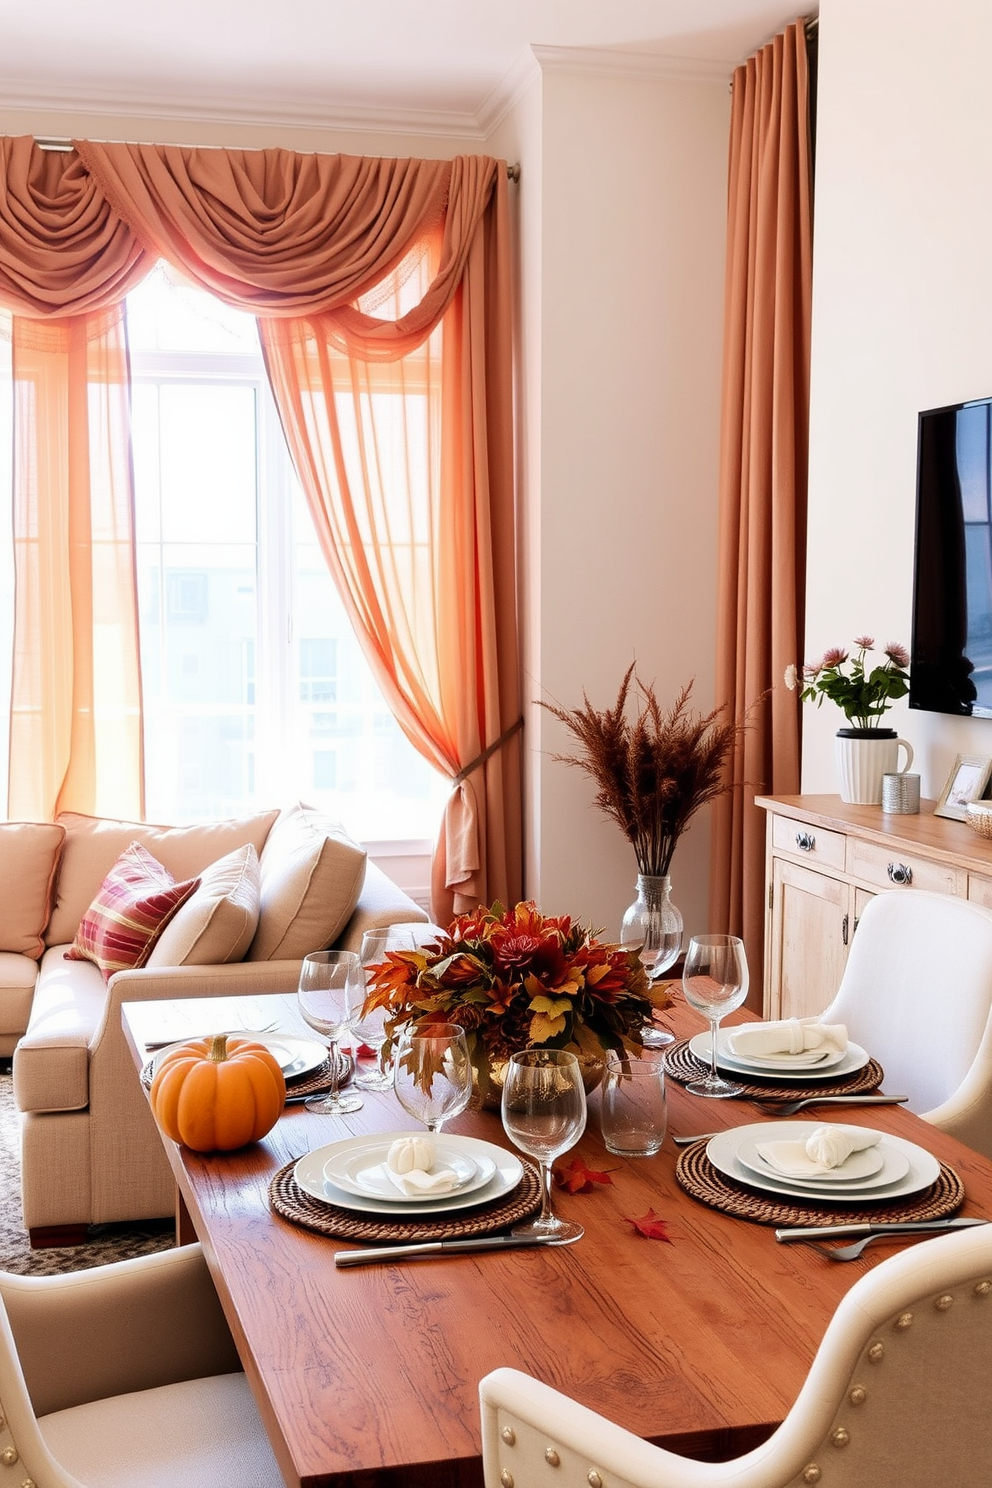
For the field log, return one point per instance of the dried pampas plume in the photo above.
(653, 769)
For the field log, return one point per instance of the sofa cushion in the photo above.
(312, 874)
(52, 1061)
(29, 857)
(136, 901)
(18, 975)
(93, 844)
(218, 922)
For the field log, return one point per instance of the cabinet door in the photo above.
(810, 924)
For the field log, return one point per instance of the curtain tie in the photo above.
(480, 759)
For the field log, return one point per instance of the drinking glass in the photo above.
(715, 981)
(432, 1073)
(330, 998)
(371, 1027)
(544, 1114)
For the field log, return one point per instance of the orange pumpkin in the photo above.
(218, 1093)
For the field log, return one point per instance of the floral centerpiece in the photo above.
(862, 692)
(515, 979)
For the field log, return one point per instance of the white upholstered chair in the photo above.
(898, 1396)
(917, 994)
(125, 1376)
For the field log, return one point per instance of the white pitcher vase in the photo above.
(863, 756)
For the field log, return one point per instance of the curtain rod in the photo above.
(64, 146)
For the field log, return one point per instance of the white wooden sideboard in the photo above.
(824, 861)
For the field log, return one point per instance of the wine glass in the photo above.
(330, 998)
(715, 981)
(432, 1072)
(370, 1027)
(544, 1114)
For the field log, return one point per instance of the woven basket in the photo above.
(979, 818)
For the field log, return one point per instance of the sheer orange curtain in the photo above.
(65, 262)
(299, 240)
(763, 463)
(422, 545)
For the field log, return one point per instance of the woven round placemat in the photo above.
(697, 1175)
(314, 1082)
(289, 1200)
(682, 1065)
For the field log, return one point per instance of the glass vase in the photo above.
(653, 926)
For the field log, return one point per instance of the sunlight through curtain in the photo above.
(65, 263)
(299, 240)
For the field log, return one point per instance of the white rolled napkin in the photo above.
(416, 1182)
(824, 1151)
(789, 1036)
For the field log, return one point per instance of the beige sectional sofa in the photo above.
(267, 889)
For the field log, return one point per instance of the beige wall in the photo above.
(623, 205)
(902, 319)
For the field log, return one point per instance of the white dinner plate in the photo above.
(853, 1059)
(309, 1174)
(296, 1056)
(362, 1170)
(921, 1167)
(810, 1059)
(873, 1167)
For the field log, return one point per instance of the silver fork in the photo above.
(790, 1107)
(852, 1251)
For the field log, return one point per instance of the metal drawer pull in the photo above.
(843, 929)
(900, 873)
(805, 841)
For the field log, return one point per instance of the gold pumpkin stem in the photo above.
(218, 1048)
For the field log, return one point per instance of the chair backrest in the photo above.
(917, 991)
(898, 1396)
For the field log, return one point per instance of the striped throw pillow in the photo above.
(137, 899)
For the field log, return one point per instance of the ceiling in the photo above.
(436, 64)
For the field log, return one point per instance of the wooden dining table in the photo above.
(697, 1336)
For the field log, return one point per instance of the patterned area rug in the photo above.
(116, 1242)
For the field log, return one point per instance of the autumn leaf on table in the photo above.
(651, 1227)
(577, 1178)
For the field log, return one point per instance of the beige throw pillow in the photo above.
(29, 859)
(218, 923)
(312, 874)
(93, 844)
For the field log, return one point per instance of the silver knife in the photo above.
(892, 1227)
(437, 1247)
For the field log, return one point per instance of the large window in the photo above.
(255, 688)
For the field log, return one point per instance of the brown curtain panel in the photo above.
(763, 465)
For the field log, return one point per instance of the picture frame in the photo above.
(968, 778)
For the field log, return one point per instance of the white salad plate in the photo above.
(853, 1059)
(296, 1056)
(872, 1167)
(364, 1171)
(309, 1174)
(906, 1168)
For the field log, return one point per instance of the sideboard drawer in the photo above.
(890, 867)
(806, 843)
(980, 890)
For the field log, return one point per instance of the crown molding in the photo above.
(606, 61)
(342, 118)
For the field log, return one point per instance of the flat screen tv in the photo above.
(951, 652)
